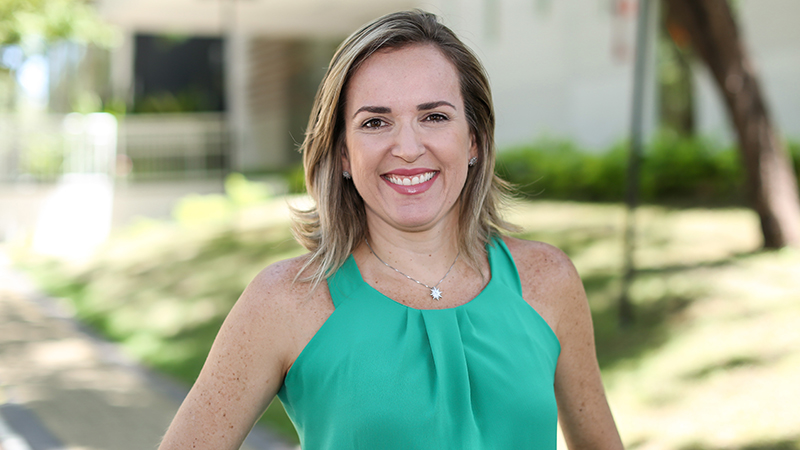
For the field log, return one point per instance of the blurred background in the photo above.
(148, 155)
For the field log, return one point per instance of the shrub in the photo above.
(691, 169)
(794, 151)
(557, 169)
(674, 169)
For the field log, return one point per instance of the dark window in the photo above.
(176, 74)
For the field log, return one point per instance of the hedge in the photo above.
(674, 170)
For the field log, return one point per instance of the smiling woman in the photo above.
(407, 140)
(358, 339)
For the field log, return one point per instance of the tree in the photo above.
(28, 28)
(712, 32)
(52, 20)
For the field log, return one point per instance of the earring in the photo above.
(473, 161)
(346, 175)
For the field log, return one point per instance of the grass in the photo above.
(710, 363)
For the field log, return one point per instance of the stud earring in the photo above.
(473, 161)
(346, 175)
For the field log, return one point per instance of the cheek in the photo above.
(352, 152)
(365, 151)
(361, 161)
(461, 144)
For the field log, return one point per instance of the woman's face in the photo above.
(407, 139)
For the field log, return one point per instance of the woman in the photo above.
(411, 323)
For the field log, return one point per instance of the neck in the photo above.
(423, 254)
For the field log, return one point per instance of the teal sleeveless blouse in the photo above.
(379, 375)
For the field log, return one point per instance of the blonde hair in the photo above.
(336, 224)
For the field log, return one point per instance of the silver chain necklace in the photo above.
(436, 294)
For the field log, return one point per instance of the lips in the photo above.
(409, 180)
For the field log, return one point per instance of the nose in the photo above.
(408, 143)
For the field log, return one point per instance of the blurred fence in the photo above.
(140, 147)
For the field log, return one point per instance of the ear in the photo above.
(473, 149)
(345, 160)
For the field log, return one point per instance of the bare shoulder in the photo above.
(550, 282)
(268, 294)
(279, 310)
(542, 266)
(551, 285)
(248, 360)
(537, 255)
(275, 288)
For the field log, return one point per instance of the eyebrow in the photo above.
(373, 110)
(434, 105)
(420, 107)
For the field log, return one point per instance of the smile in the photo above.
(409, 181)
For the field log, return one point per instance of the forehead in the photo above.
(414, 74)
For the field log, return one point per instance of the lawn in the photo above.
(710, 363)
(712, 360)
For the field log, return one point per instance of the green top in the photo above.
(381, 375)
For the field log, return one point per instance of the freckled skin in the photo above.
(552, 286)
(263, 334)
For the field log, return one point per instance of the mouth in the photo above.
(409, 180)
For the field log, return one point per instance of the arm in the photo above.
(583, 410)
(552, 286)
(243, 371)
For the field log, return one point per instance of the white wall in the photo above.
(772, 38)
(557, 68)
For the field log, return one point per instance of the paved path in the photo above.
(62, 388)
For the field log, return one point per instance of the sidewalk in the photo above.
(62, 388)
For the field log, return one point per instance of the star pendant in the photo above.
(436, 293)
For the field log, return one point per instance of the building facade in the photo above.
(561, 69)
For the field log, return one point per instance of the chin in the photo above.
(418, 221)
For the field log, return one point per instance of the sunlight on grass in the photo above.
(711, 362)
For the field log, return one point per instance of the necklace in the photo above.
(436, 294)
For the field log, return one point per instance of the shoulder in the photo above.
(248, 361)
(542, 266)
(538, 256)
(276, 307)
(272, 289)
(550, 282)
(276, 286)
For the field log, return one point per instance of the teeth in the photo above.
(406, 181)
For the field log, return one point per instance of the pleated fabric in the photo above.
(381, 375)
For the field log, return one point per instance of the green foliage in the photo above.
(243, 192)
(691, 169)
(191, 99)
(674, 169)
(558, 169)
(202, 210)
(53, 20)
(296, 179)
(793, 148)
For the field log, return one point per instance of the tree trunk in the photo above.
(772, 182)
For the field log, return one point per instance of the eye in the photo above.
(373, 123)
(436, 117)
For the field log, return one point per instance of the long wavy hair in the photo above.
(336, 223)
